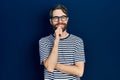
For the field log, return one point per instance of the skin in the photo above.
(51, 62)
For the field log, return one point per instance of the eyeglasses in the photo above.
(56, 18)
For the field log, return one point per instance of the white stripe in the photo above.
(70, 50)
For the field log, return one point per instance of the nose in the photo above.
(59, 20)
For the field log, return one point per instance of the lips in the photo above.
(60, 24)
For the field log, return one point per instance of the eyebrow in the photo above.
(59, 16)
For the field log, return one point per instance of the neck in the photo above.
(64, 34)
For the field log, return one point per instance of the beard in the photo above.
(63, 28)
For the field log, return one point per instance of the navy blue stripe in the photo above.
(71, 50)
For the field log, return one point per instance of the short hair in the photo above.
(59, 6)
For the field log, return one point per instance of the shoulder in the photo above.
(76, 38)
(45, 39)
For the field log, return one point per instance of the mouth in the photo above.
(60, 24)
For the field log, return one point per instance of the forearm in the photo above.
(51, 61)
(70, 69)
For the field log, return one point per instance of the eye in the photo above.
(56, 18)
(64, 17)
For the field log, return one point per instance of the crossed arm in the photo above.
(51, 63)
(76, 69)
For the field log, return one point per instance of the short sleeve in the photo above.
(43, 50)
(79, 51)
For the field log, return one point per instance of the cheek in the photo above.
(54, 23)
(66, 21)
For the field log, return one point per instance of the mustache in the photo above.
(63, 29)
(60, 24)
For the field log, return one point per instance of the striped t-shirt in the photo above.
(70, 50)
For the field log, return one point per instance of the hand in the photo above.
(58, 33)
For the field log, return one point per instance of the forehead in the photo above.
(58, 12)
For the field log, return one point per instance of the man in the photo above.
(61, 53)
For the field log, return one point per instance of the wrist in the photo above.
(56, 66)
(56, 41)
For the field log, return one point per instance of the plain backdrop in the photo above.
(24, 22)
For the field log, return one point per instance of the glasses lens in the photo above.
(63, 18)
(55, 18)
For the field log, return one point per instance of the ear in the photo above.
(50, 21)
(67, 18)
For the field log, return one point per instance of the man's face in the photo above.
(59, 19)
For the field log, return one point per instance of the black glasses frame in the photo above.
(56, 18)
